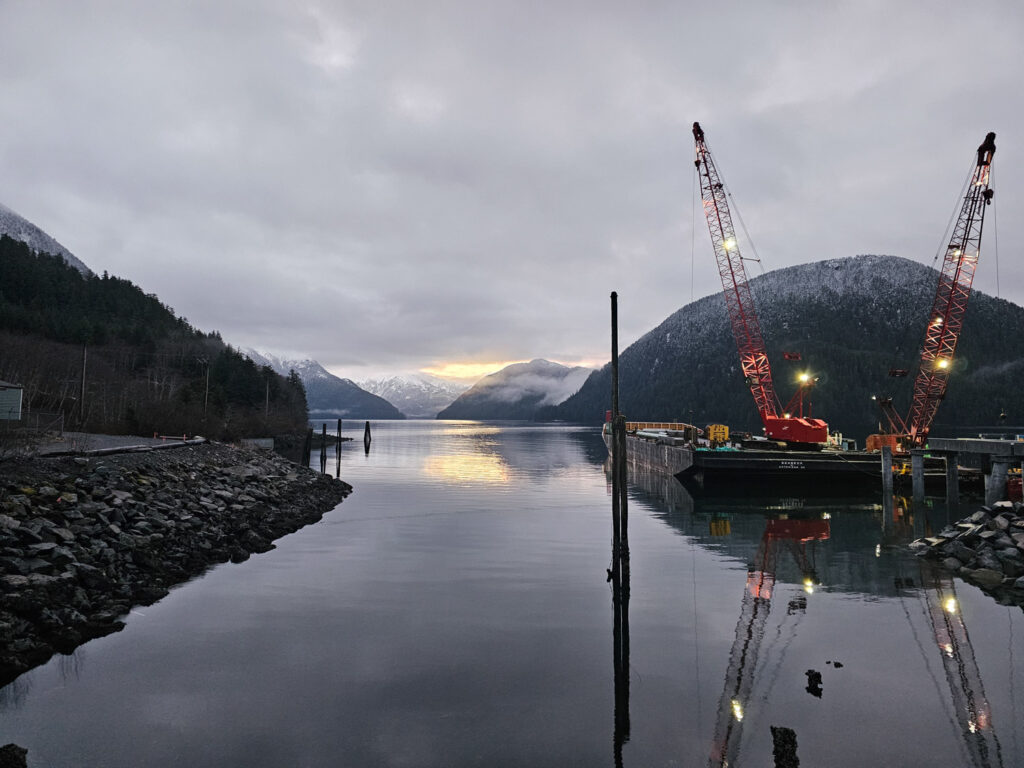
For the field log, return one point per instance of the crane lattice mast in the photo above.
(739, 302)
(947, 314)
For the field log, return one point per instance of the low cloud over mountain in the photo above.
(517, 391)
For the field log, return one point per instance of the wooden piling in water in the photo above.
(323, 448)
(620, 553)
(616, 452)
(307, 447)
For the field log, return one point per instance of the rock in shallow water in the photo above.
(987, 550)
(77, 564)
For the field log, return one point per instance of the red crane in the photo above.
(947, 314)
(739, 302)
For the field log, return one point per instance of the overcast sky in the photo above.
(389, 186)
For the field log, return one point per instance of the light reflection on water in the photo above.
(455, 611)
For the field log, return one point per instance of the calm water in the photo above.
(454, 611)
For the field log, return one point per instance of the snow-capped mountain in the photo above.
(18, 227)
(517, 391)
(327, 395)
(417, 395)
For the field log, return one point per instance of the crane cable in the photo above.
(995, 228)
(899, 353)
(733, 208)
(693, 227)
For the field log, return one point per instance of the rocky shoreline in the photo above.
(83, 539)
(985, 549)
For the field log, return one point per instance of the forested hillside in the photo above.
(850, 320)
(144, 369)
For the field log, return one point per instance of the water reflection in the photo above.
(467, 468)
(466, 623)
(967, 690)
(619, 577)
(855, 547)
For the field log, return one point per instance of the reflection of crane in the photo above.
(969, 702)
(947, 314)
(739, 302)
(757, 596)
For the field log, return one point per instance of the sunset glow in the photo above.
(467, 371)
(472, 372)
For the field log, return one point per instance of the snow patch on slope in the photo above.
(18, 227)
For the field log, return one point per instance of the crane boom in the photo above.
(947, 314)
(739, 302)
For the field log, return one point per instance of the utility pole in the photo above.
(206, 397)
(81, 398)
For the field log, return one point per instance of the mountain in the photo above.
(851, 320)
(101, 355)
(517, 391)
(418, 395)
(327, 395)
(18, 227)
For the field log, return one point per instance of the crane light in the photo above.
(950, 605)
(729, 244)
(737, 709)
(937, 321)
(804, 378)
(942, 363)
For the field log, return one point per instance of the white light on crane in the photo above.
(950, 605)
(729, 244)
(942, 363)
(804, 378)
(737, 709)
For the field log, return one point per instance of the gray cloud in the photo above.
(390, 185)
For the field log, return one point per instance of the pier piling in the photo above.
(917, 474)
(952, 480)
(887, 470)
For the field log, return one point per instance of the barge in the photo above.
(753, 465)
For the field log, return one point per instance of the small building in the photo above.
(10, 401)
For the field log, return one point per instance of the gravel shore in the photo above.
(83, 539)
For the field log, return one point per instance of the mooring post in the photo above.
(366, 438)
(917, 473)
(615, 354)
(307, 448)
(620, 551)
(323, 449)
(620, 450)
(337, 452)
(616, 450)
